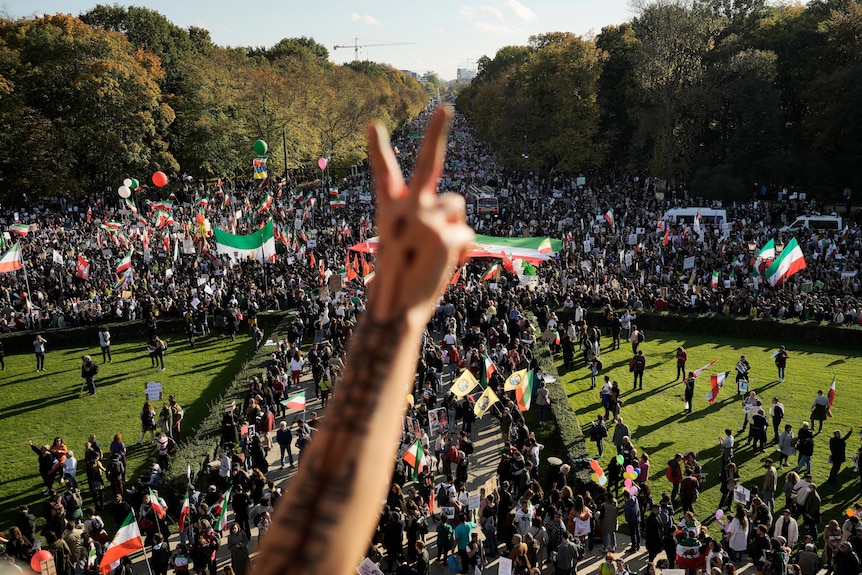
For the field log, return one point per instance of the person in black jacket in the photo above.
(838, 452)
(46, 465)
(88, 371)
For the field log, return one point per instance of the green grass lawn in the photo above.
(41, 406)
(659, 426)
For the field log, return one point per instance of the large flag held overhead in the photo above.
(716, 382)
(764, 258)
(524, 393)
(295, 401)
(20, 229)
(492, 272)
(465, 383)
(788, 263)
(831, 396)
(413, 457)
(484, 403)
(493, 247)
(221, 522)
(125, 263)
(609, 217)
(83, 268)
(12, 260)
(259, 245)
(128, 540)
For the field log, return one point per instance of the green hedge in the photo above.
(565, 422)
(784, 331)
(201, 448)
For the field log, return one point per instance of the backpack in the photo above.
(97, 524)
(778, 411)
(443, 495)
(490, 524)
(113, 470)
(452, 454)
(640, 336)
(594, 433)
(468, 447)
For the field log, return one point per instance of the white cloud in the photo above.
(520, 11)
(493, 12)
(370, 20)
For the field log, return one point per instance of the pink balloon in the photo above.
(629, 468)
(719, 514)
(321, 163)
(627, 483)
(633, 490)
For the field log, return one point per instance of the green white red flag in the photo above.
(158, 509)
(831, 395)
(295, 401)
(12, 260)
(524, 393)
(413, 457)
(128, 540)
(716, 382)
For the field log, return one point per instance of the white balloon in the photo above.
(127, 182)
(124, 192)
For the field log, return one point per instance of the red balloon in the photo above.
(596, 467)
(38, 558)
(160, 179)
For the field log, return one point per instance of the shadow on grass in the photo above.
(26, 406)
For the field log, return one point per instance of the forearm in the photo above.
(335, 500)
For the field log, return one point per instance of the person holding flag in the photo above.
(820, 409)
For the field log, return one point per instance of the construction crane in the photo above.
(356, 46)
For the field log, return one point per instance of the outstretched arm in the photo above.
(323, 524)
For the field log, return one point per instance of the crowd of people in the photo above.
(71, 256)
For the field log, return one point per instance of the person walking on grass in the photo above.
(681, 359)
(89, 369)
(39, 350)
(781, 362)
(105, 343)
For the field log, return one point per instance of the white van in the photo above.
(712, 218)
(825, 223)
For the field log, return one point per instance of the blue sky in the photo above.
(445, 35)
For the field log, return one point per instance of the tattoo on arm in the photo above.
(318, 495)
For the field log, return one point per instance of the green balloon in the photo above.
(620, 459)
(135, 184)
(260, 147)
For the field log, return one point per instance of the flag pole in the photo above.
(143, 545)
(26, 279)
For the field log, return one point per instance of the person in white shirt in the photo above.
(70, 468)
(524, 517)
(105, 344)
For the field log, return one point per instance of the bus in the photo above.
(483, 200)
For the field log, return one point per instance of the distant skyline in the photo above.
(443, 36)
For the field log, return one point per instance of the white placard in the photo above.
(639, 231)
(312, 243)
(203, 279)
(369, 567)
(504, 567)
(688, 263)
(196, 302)
(153, 390)
(473, 501)
(587, 246)
(633, 239)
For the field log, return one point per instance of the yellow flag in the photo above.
(484, 403)
(464, 384)
(515, 381)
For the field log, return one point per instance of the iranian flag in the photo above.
(265, 204)
(20, 229)
(714, 281)
(125, 263)
(788, 263)
(128, 540)
(413, 457)
(491, 272)
(83, 268)
(609, 217)
(666, 236)
(368, 278)
(524, 393)
(131, 205)
(831, 396)
(545, 247)
(488, 370)
(697, 372)
(230, 406)
(716, 382)
(221, 522)
(158, 508)
(338, 202)
(184, 512)
(295, 402)
(764, 258)
(12, 260)
(259, 245)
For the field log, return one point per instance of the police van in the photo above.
(824, 223)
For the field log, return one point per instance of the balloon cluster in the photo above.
(630, 475)
(598, 475)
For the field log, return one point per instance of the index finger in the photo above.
(430, 163)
